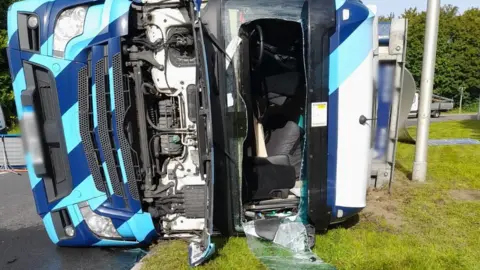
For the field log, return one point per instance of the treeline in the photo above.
(6, 92)
(458, 56)
(458, 52)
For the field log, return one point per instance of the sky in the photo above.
(385, 7)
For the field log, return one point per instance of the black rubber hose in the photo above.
(167, 130)
(163, 189)
(150, 87)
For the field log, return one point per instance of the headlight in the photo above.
(32, 22)
(69, 24)
(99, 225)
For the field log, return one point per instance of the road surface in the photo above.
(24, 244)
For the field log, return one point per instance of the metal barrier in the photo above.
(388, 113)
(13, 158)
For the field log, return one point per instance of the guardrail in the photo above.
(12, 156)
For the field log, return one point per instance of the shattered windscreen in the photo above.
(288, 248)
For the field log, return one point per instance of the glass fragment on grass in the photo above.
(289, 248)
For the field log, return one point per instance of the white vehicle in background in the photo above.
(439, 105)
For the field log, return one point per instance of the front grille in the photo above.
(122, 104)
(107, 145)
(105, 126)
(87, 128)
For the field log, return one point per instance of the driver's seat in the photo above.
(282, 86)
(286, 100)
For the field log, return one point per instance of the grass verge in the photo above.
(419, 226)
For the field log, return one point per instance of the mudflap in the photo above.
(200, 250)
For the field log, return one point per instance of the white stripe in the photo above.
(355, 98)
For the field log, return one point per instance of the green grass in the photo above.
(435, 230)
(14, 130)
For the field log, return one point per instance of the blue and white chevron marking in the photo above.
(351, 95)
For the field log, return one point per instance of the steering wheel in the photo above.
(260, 43)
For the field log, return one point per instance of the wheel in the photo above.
(259, 46)
(436, 114)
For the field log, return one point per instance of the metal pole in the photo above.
(461, 99)
(428, 74)
(478, 115)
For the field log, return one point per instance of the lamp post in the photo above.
(428, 73)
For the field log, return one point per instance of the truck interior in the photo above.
(273, 88)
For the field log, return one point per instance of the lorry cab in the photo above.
(174, 119)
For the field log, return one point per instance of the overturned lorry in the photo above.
(152, 119)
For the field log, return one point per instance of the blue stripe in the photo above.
(34, 180)
(94, 105)
(83, 192)
(78, 165)
(332, 148)
(113, 243)
(122, 166)
(358, 13)
(97, 202)
(107, 177)
(39, 195)
(66, 76)
(18, 87)
(15, 64)
(55, 65)
(141, 225)
(350, 55)
(339, 3)
(48, 222)
(44, 48)
(125, 231)
(75, 215)
(71, 127)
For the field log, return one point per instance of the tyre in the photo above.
(436, 114)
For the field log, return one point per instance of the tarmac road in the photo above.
(24, 243)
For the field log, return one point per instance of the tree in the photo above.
(386, 18)
(6, 92)
(458, 51)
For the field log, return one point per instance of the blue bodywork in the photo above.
(349, 47)
(106, 22)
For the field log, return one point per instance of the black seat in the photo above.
(282, 86)
(286, 99)
(269, 178)
(286, 140)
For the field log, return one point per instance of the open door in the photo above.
(204, 249)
